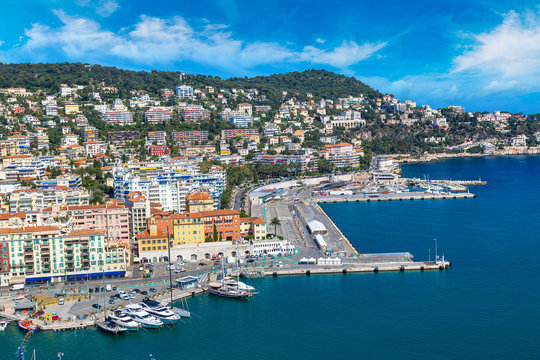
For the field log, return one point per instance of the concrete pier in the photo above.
(391, 197)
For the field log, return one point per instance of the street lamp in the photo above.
(436, 256)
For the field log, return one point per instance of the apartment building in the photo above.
(116, 137)
(36, 199)
(188, 228)
(227, 223)
(157, 138)
(243, 133)
(120, 117)
(153, 244)
(200, 201)
(189, 136)
(158, 115)
(112, 220)
(195, 113)
(184, 91)
(139, 211)
(341, 155)
(253, 226)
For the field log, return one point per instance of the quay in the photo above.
(360, 268)
(390, 197)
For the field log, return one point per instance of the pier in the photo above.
(390, 197)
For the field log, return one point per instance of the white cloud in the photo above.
(1, 43)
(103, 8)
(107, 7)
(510, 51)
(155, 40)
(320, 41)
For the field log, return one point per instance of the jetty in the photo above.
(390, 197)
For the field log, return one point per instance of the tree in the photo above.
(215, 233)
(275, 222)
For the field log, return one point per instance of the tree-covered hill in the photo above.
(48, 77)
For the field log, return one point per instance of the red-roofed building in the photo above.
(158, 150)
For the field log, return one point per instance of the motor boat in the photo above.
(166, 315)
(124, 320)
(110, 327)
(138, 314)
(28, 325)
(3, 325)
(219, 289)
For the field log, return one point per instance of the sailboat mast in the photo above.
(169, 265)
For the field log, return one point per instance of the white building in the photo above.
(184, 91)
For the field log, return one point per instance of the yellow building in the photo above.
(200, 201)
(188, 228)
(71, 108)
(153, 244)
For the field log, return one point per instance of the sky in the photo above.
(484, 55)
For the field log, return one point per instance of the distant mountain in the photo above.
(48, 77)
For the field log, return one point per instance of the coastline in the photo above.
(427, 158)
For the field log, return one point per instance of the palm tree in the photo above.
(275, 222)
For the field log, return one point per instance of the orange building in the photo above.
(227, 224)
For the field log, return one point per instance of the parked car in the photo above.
(132, 291)
(111, 301)
(144, 292)
(61, 301)
(124, 296)
(122, 292)
(96, 306)
(152, 290)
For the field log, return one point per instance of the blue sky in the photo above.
(484, 55)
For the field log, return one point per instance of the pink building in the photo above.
(113, 219)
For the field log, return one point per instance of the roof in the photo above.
(187, 216)
(86, 232)
(201, 195)
(255, 220)
(315, 225)
(29, 229)
(219, 212)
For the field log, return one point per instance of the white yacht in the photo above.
(137, 313)
(233, 283)
(124, 320)
(166, 315)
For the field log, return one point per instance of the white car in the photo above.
(124, 296)
(61, 301)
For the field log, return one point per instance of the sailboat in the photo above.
(106, 324)
(229, 290)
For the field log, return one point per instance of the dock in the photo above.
(360, 268)
(390, 197)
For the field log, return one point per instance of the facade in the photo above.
(189, 136)
(341, 155)
(304, 162)
(243, 133)
(37, 199)
(122, 136)
(158, 150)
(157, 138)
(152, 244)
(90, 133)
(120, 117)
(273, 247)
(139, 211)
(111, 220)
(184, 91)
(239, 119)
(47, 253)
(71, 108)
(158, 114)
(253, 226)
(188, 228)
(168, 185)
(200, 201)
(195, 113)
(227, 223)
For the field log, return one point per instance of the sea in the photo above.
(486, 306)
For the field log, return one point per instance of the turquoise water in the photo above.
(484, 307)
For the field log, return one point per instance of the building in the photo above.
(70, 180)
(139, 211)
(153, 244)
(157, 138)
(48, 253)
(341, 155)
(195, 113)
(158, 150)
(184, 91)
(70, 139)
(189, 136)
(90, 133)
(188, 228)
(226, 223)
(239, 119)
(253, 226)
(243, 133)
(298, 162)
(246, 108)
(196, 150)
(158, 114)
(92, 148)
(440, 124)
(71, 108)
(200, 201)
(120, 117)
(168, 184)
(37, 199)
(273, 247)
(123, 136)
(520, 140)
(112, 220)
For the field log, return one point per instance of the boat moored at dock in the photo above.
(110, 327)
(138, 314)
(28, 325)
(154, 308)
(124, 320)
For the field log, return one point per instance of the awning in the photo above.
(43, 278)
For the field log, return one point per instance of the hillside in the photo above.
(48, 77)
